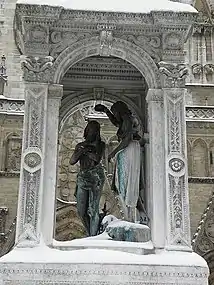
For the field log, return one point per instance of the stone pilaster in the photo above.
(36, 205)
(176, 171)
(156, 189)
(29, 215)
(55, 93)
(39, 153)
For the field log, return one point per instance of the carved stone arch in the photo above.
(199, 158)
(13, 147)
(71, 102)
(120, 48)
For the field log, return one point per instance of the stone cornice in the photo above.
(49, 14)
(9, 174)
(201, 180)
(45, 30)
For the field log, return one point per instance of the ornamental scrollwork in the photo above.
(151, 43)
(36, 69)
(59, 40)
(173, 41)
(174, 75)
(106, 41)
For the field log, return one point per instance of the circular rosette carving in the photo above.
(32, 161)
(176, 164)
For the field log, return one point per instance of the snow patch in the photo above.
(135, 6)
(44, 254)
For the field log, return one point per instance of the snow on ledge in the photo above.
(44, 254)
(134, 6)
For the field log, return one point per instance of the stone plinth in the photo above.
(42, 266)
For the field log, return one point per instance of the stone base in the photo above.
(45, 266)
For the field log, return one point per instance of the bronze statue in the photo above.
(91, 178)
(126, 179)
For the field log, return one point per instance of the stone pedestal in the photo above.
(42, 266)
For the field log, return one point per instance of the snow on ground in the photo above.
(44, 254)
(135, 6)
(102, 241)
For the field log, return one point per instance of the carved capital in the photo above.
(173, 75)
(36, 69)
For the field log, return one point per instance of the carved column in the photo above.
(176, 172)
(38, 172)
(156, 202)
(55, 93)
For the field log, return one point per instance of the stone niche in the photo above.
(52, 40)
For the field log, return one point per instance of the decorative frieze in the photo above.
(11, 106)
(204, 113)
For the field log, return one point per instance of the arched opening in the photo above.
(200, 158)
(90, 81)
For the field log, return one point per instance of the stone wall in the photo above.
(199, 195)
(8, 48)
(8, 197)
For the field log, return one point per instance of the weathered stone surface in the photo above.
(126, 231)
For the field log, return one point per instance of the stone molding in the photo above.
(201, 180)
(9, 174)
(11, 106)
(90, 274)
(193, 113)
(200, 113)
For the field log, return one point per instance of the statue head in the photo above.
(92, 131)
(119, 110)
